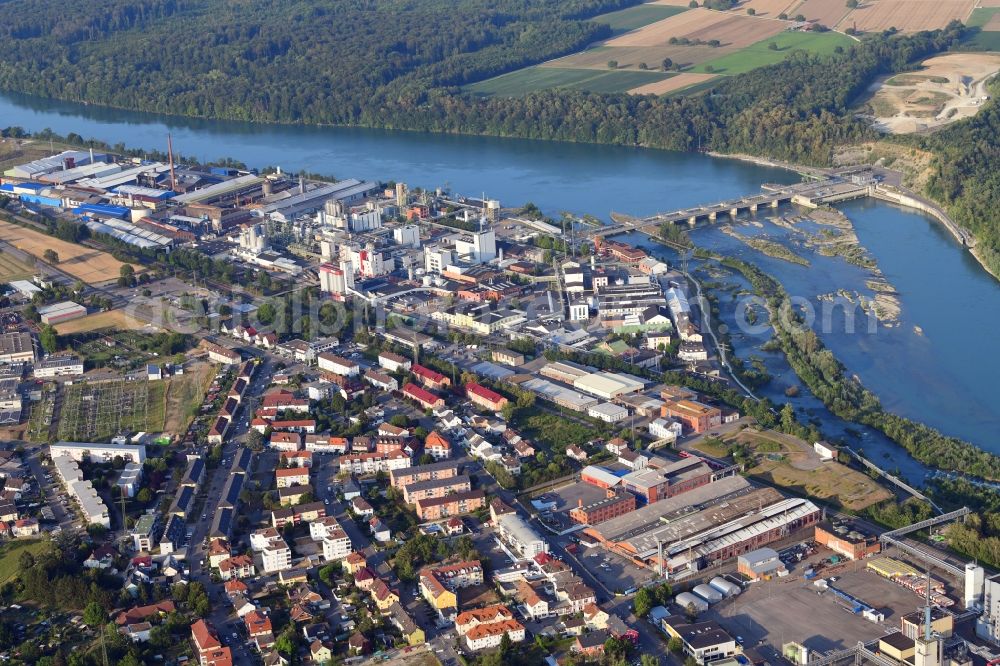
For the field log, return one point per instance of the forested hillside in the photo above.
(967, 177)
(319, 61)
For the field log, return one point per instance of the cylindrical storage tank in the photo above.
(708, 593)
(727, 588)
(685, 599)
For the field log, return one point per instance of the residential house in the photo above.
(361, 507)
(207, 646)
(437, 446)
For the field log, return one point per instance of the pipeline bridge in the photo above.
(811, 195)
(926, 553)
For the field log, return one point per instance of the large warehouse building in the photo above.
(714, 522)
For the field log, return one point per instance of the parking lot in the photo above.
(615, 573)
(794, 609)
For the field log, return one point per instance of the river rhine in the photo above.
(937, 366)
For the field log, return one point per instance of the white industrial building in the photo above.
(60, 312)
(478, 247)
(45, 165)
(608, 412)
(407, 235)
(520, 536)
(608, 385)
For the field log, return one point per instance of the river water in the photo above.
(935, 366)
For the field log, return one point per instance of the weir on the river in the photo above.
(811, 195)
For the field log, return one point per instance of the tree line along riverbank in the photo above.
(845, 396)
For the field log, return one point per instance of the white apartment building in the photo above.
(91, 505)
(393, 362)
(374, 462)
(80, 451)
(666, 429)
(58, 366)
(336, 543)
(274, 552)
(337, 365)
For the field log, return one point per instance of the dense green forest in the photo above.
(398, 64)
(325, 61)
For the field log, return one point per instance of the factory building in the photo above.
(58, 313)
(846, 540)
(17, 347)
(694, 416)
(715, 522)
(612, 506)
(520, 536)
(654, 484)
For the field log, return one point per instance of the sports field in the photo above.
(90, 265)
(532, 79)
(12, 269)
(761, 53)
(631, 18)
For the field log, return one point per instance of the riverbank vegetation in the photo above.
(845, 396)
(966, 178)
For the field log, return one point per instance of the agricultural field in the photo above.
(762, 54)
(767, 8)
(946, 88)
(533, 79)
(673, 84)
(116, 319)
(731, 30)
(90, 265)
(987, 19)
(12, 269)
(631, 18)
(96, 412)
(651, 44)
(825, 12)
(907, 15)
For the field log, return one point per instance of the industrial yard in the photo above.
(791, 609)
